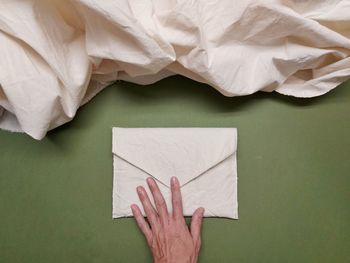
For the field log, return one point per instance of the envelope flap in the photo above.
(182, 152)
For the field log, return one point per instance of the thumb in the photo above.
(196, 225)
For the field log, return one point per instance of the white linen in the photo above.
(56, 55)
(203, 159)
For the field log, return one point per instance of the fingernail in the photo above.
(202, 210)
(150, 181)
(173, 180)
(139, 189)
(133, 207)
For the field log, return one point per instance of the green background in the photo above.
(293, 168)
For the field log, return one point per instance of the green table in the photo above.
(293, 168)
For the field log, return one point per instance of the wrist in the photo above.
(179, 260)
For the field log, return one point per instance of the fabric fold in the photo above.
(56, 55)
(203, 159)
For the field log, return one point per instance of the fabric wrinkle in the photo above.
(65, 52)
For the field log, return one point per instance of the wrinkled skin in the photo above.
(167, 235)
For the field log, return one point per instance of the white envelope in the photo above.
(203, 159)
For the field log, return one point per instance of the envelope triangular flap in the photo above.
(182, 152)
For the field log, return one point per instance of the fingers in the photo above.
(176, 199)
(141, 222)
(196, 225)
(158, 200)
(148, 207)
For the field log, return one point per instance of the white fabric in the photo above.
(203, 159)
(56, 55)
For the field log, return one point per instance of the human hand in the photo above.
(168, 235)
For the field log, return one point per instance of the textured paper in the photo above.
(203, 159)
(56, 55)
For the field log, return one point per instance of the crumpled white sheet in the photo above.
(56, 55)
(203, 159)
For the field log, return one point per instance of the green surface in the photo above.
(293, 168)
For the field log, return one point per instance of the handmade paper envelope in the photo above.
(203, 159)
